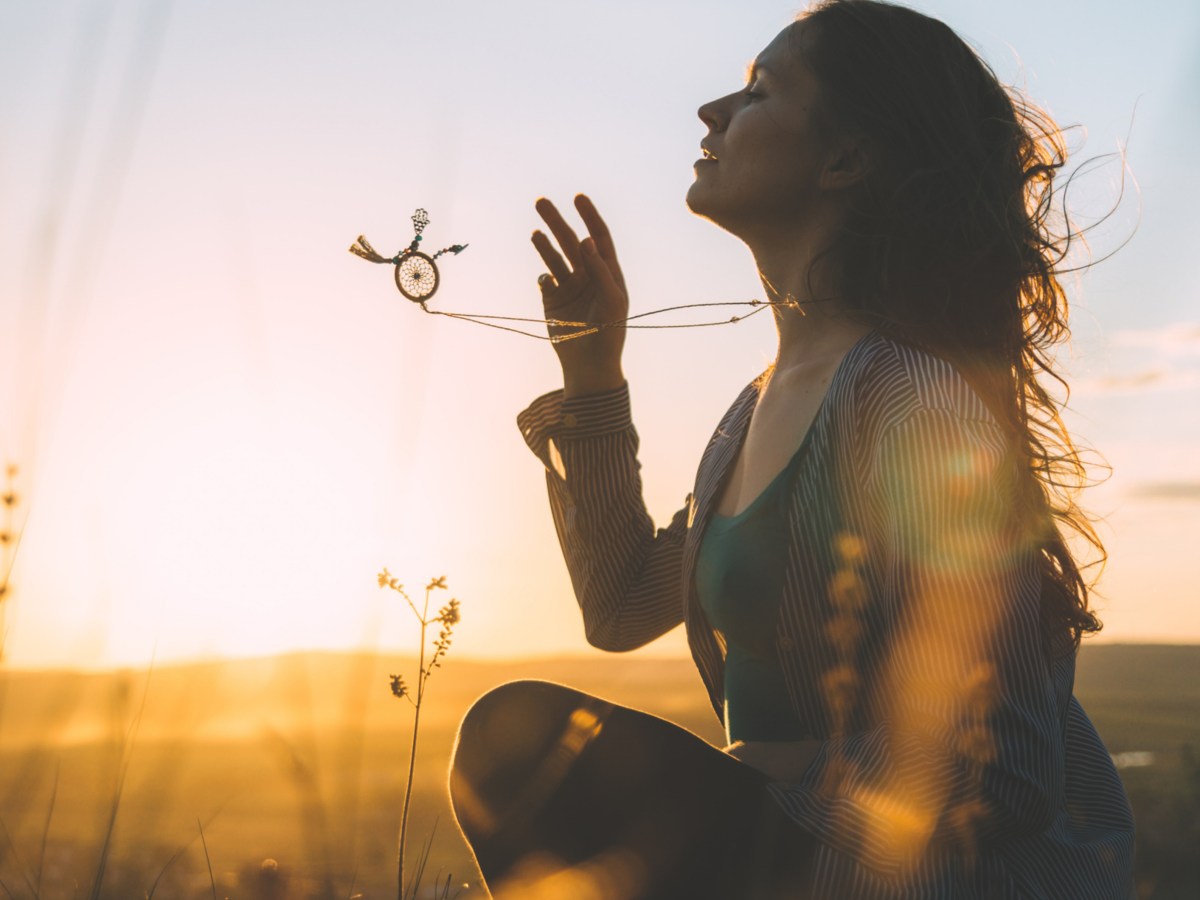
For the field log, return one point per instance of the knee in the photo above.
(506, 697)
(502, 738)
(496, 723)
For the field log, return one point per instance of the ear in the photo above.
(847, 163)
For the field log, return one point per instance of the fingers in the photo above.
(596, 254)
(596, 227)
(551, 257)
(563, 233)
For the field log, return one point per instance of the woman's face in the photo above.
(765, 148)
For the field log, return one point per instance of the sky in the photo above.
(225, 425)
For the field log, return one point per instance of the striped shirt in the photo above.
(955, 761)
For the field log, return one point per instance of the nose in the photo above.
(711, 115)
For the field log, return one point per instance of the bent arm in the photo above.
(626, 573)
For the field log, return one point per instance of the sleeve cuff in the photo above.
(595, 414)
(580, 417)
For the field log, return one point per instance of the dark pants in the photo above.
(561, 794)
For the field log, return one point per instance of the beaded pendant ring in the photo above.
(416, 272)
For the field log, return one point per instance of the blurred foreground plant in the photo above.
(447, 617)
(9, 539)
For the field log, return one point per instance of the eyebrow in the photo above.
(755, 68)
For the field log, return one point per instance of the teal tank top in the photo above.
(739, 581)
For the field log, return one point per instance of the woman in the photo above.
(872, 568)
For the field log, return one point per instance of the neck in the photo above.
(820, 328)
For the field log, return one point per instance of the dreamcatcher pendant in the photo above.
(416, 272)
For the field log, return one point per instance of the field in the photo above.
(293, 768)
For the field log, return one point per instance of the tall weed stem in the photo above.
(447, 617)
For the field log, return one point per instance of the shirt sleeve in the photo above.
(626, 573)
(966, 736)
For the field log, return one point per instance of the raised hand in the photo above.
(584, 284)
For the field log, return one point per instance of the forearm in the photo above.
(626, 574)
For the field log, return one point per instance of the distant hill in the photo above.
(1142, 696)
(237, 699)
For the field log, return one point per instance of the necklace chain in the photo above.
(582, 329)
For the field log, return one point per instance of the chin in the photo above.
(705, 208)
(698, 203)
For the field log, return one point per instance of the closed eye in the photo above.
(754, 72)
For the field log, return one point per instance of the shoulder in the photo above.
(884, 382)
(896, 408)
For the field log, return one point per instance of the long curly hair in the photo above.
(954, 243)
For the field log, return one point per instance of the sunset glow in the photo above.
(225, 424)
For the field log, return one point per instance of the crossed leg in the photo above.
(564, 795)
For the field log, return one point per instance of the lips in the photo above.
(708, 158)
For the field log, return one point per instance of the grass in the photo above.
(223, 741)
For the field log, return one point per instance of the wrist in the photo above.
(592, 383)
